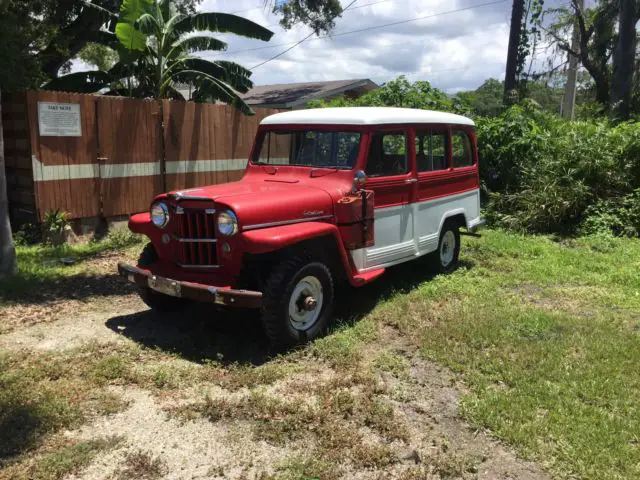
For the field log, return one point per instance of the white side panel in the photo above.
(431, 214)
(394, 231)
(394, 238)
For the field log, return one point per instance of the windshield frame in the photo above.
(324, 128)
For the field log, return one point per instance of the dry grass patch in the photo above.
(58, 461)
(141, 465)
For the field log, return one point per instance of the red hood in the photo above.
(261, 199)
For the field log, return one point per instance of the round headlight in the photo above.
(160, 214)
(227, 223)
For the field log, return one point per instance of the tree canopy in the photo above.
(157, 44)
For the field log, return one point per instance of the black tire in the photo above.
(154, 300)
(279, 288)
(441, 259)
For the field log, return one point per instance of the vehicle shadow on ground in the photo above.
(205, 332)
(37, 291)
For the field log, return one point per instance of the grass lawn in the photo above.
(543, 333)
(546, 336)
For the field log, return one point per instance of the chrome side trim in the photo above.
(285, 222)
(196, 240)
(203, 267)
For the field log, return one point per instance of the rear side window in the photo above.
(461, 149)
(431, 150)
(387, 155)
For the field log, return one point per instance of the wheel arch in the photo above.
(458, 216)
(320, 241)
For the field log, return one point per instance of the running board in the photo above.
(367, 277)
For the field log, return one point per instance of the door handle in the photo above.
(411, 180)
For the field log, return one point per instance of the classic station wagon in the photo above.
(329, 196)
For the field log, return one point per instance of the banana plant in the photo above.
(157, 47)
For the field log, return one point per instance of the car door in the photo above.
(390, 174)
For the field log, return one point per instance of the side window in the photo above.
(462, 152)
(387, 155)
(431, 151)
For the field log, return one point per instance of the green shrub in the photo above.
(619, 216)
(548, 175)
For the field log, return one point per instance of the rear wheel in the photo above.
(445, 259)
(156, 301)
(297, 301)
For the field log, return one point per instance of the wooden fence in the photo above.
(91, 155)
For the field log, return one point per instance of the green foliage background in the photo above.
(539, 172)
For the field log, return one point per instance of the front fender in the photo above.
(271, 239)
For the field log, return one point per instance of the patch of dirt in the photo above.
(425, 438)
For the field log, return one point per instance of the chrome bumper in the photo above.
(193, 291)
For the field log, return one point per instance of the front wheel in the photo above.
(297, 302)
(154, 300)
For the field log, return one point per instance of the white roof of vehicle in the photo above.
(363, 116)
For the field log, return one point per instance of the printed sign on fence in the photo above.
(59, 119)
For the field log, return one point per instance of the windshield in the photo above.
(310, 148)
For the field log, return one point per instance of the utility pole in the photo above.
(569, 100)
(515, 32)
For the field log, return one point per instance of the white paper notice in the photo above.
(59, 119)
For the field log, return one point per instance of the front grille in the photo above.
(196, 238)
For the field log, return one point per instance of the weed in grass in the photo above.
(306, 468)
(108, 369)
(142, 466)
(62, 461)
(391, 362)
(380, 416)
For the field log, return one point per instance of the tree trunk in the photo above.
(510, 80)
(8, 265)
(624, 61)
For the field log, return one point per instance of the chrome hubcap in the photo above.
(305, 303)
(447, 248)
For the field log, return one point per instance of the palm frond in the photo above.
(80, 82)
(230, 73)
(199, 43)
(223, 23)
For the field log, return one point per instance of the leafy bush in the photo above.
(549, 175)
(619, 216)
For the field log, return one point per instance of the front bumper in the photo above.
(193, 291)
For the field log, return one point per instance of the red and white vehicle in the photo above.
(329, 195)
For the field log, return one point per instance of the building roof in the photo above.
(289, 95)
(364, 116)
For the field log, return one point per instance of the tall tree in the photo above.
(160, 43)
(38, 38)
(8, 263)
(515, 36)
(597, 38)
(624, 59)
(320, 15)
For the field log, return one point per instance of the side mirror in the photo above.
(359, 179)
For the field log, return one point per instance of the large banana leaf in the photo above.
(80, 82)
(132, 10)
(224, 23)
(211, 89)
(199, 43)
(230, 73)
(126, 30)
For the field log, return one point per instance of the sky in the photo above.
(454, 44)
